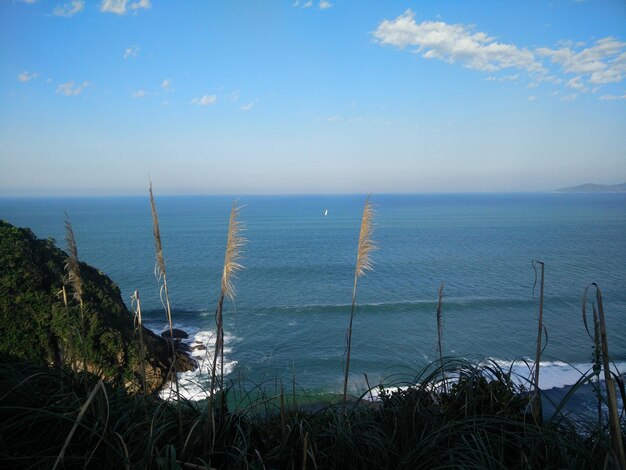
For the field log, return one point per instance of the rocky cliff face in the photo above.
(36, 323)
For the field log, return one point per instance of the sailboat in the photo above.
(325, 211)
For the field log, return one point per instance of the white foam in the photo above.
(195, 384)
(552, 374)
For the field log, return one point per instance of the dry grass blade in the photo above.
(136, 304)
(366, 243)
(72, 265)
(83, 410)
(234, 246)
(160, 263)
(614, 421)
(537, 412)
(160, 272)
(440, 322)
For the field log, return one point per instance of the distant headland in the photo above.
(595, 188)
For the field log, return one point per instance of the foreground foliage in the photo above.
(482, 421)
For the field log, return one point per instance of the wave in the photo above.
(552, 374)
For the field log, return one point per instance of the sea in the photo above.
(288, 322)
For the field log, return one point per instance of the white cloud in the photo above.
(576, 83)
(613, 97)
(248, 106)
(308, 4)
(532, 98)
(139, 93)
(29, 1)
(140, 4)
(120, 7)
(204, 100)
(324, 4)
(570, 97)
(503, 78)
(70, 8)
(132, 51)
(604, 62)
(26, 77)
(454, 43)
(69, 89)
(577, 65)
(167, 84)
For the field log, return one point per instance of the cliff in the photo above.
(37, 325)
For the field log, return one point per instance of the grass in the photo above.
(483, 420)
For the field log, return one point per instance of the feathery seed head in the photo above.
(366, 243)
(72, 266)
(234, 246)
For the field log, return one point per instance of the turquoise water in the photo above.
(293, 298)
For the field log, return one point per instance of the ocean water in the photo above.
(292, 307)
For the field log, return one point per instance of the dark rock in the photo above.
(182, 347)
(199, 347)
(185, 363)
(176, 334)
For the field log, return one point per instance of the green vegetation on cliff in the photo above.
(38, 326)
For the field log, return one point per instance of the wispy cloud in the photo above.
(120, 7)
(577, 65)
(322, 5)
(503, 78)
(613, 97)
(132, 51)
(570, 97)
(29, 1)
(139, 93)
(605, 61)
(26, 77)
(69, 9)
(248, 106)
(167, 84)
(204, 100)
(70, 89)
(303, 4)
(454, 43)
(576, 83)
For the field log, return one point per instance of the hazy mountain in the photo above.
(595, 188)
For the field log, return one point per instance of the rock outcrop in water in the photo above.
(38, 326)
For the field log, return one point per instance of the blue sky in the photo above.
(301, 96)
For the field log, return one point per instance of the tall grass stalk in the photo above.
(440, 322)
(440, 331)
(234, 245)
(363, 263)
(75, 280)
(614, 421)
(537, 413)
(161, 275)
(139, 326)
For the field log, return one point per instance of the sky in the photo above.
(308, 97)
